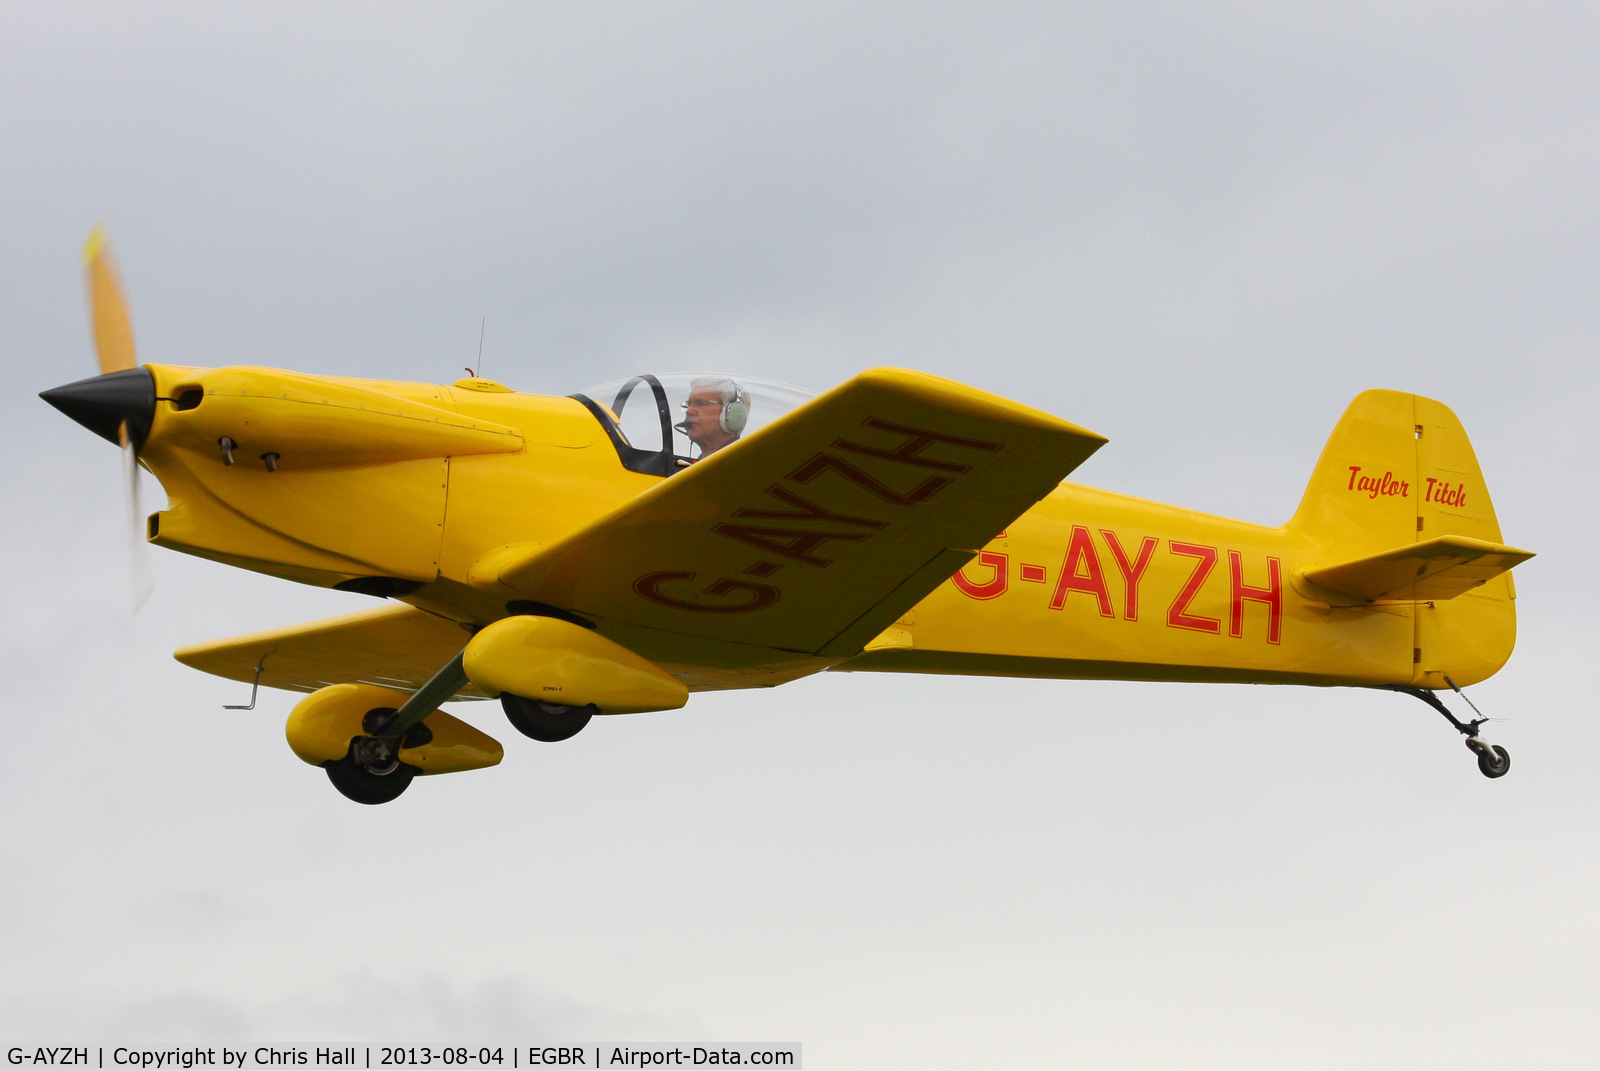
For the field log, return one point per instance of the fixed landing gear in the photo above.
(549, 722)
(1493, 760)
(371, 771)
(364, 785)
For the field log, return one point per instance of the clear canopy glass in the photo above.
(646, 415)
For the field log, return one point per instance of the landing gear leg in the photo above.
(1493, 760)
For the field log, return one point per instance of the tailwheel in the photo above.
(548, 722)
(370, 772)
(1493, 760)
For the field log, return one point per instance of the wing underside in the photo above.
(393, 646)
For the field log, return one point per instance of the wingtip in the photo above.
(96, 243)
(950, 391)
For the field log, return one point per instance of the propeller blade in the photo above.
(113, 331)
(120, 402)
(138, 548)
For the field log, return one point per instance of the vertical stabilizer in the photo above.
(1400, 470)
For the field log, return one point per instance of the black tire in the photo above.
(548, 722)
(356, 782)
(1494, 762)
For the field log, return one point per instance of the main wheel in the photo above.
(1494, 762)
(356, 782)
(548, 722)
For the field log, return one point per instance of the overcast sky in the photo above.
(1198, 229)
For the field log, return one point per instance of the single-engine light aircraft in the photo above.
(615, 550)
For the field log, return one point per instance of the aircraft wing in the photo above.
(394, 646)
(816, 532)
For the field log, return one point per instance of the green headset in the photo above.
(735, 414)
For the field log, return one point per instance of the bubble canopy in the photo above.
(644, 415)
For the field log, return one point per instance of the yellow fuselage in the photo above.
(1087, 583)
(1094, 584)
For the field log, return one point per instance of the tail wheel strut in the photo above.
(1493, 760)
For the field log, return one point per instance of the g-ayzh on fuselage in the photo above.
(614, 550)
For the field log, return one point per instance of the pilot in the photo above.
(718, 410)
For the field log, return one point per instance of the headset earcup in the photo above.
(735, 415)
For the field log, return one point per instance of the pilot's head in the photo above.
(718, 410)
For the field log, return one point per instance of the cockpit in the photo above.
(662, 424)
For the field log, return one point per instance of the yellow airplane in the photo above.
(612, 551)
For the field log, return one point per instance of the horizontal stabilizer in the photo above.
(1439, 568)
(393, 646)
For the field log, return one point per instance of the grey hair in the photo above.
(727, 389)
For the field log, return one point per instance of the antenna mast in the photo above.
(479, 373)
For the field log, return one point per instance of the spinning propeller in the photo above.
(119, 403)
